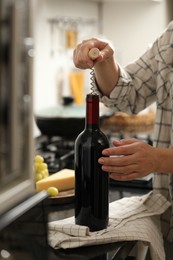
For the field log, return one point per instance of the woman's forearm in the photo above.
(164, 159)
(107, 75)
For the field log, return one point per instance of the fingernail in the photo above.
(101, 161)
(105, 152)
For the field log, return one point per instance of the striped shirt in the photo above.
(143, 82)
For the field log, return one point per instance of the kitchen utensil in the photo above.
(65, 121)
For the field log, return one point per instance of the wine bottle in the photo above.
(91, 182)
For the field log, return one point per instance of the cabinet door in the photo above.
(15, 103)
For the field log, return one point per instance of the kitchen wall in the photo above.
(50, 51)
(131, 25)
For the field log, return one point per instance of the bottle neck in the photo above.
(92, 111)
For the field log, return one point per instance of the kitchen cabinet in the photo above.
(16, 66)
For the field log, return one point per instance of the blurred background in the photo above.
(131, 25)
(42, 107)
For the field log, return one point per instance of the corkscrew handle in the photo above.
(94, 53)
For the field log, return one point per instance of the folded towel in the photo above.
(133, 218)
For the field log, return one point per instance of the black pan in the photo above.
(65, 121)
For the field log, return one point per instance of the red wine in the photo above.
(91, 182)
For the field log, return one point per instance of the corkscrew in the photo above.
(93, 54)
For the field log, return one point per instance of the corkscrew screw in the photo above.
(93, 54)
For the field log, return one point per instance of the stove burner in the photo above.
(57, 152)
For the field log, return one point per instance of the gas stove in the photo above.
(57, 152)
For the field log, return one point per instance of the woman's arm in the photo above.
(128, 89)
(107, 75)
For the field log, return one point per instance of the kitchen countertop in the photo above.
(110, 251)
(23, 232)
(61, 211)
(116, 251)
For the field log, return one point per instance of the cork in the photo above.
(94, 53)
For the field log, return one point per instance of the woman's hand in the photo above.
(105, 68)
(129, 159)
(81, 58)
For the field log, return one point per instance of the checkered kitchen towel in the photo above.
(133, 218)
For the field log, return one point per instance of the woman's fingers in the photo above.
(81, 57)
(116, 160)
(122, 147)
(130, 159)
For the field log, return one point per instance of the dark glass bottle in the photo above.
(91, 182)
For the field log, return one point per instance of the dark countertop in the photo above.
(114, 251)
(23, 231)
